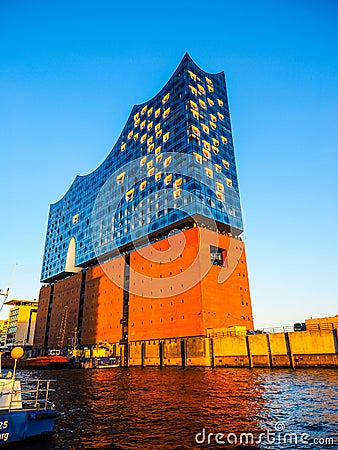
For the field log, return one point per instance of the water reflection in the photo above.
(166, 408)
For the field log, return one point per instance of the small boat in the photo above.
(106, 362)
(25, 410)
(101, 362)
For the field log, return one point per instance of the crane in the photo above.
(62, 330)
(5, 294)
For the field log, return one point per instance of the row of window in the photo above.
(150, 110)
(201, 91)
(160, 321)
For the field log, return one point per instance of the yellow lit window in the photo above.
(208, 80)
(159, 134)
(129, 195)
(201, 88)
(165, 113)
(135, 137)
(225, 164)
(198, 157)
(220, 115)
(157, 112)
(177, 193)
(209, 172)
(158, 150)
(136, 123)
(166, 137)
(143, 161)
(193, 90)
(202, 103)
(143, 124)
(150, 140)
(178, 182)
(229, 182)
(130, 134)
(195, 130)
(158, 175)
(218, 168)
(143, 138)
(224, 140)
(143, 185)
(213, 118)
(195, 114)
(150, 111)
(193, 76)
(210, 88)
(150, 124)
(75, 219)
(215, 142)
(149, 164)
(151, 172)
(123, 147)
(167, 161)
(206, 145)
(219, 196)
(137, 115)
(157, 127)
(144, 109)
(120, 178)
(206, 153)
(151, 147)
(215, 149)
(211, 102)
(219, 186)
(220, 102)
(159, 158)
(193, 105)
(213, 125)
(168, 179)
(166, 98)
(205, 128)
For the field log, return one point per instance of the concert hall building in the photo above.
(147, 248)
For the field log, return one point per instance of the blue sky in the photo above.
(71, 71)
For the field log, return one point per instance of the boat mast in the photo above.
(61, 336)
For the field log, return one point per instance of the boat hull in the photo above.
(38, 362)
(20, 425)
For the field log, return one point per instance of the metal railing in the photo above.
(269, 330)
(233, 332)
(26, 394)
(225, 333)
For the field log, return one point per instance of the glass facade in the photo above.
(173, 160)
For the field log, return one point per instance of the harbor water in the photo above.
(173, 408)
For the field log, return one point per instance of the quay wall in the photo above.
(294, 349)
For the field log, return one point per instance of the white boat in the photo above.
(25, 409)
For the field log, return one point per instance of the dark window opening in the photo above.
(217, 255)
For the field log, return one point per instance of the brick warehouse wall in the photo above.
(41, 318)
(226, 302)
(151, 315)
(66, 293)
(174, 291)
(207, 304)
(103, 302)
